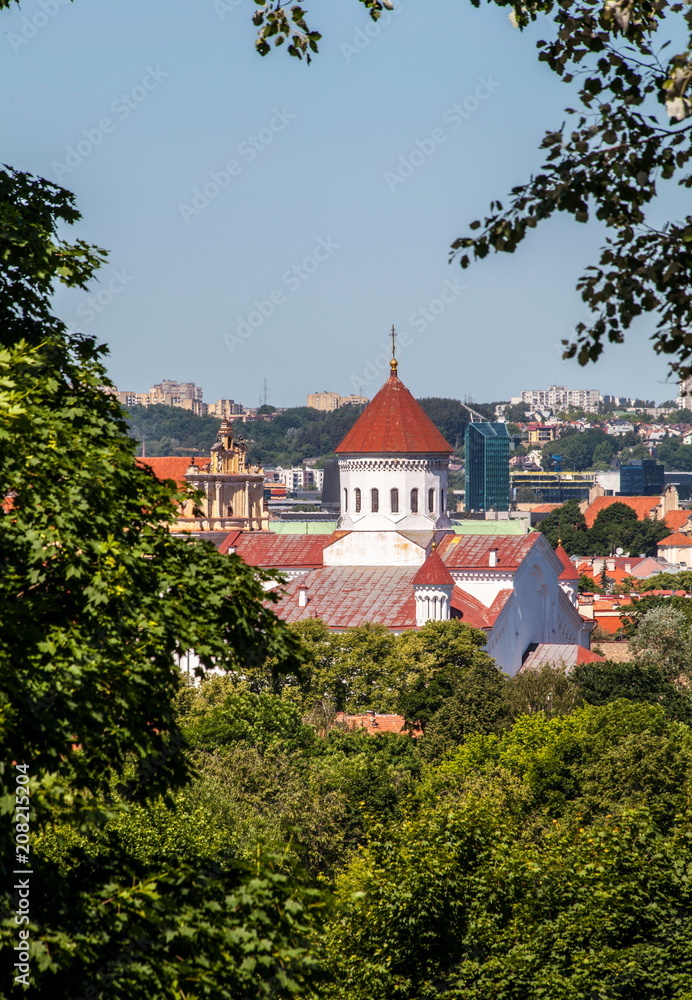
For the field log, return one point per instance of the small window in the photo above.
(374, 500)
(394, 500)
(442, 501)
(357, 501)
(431, 500)
(345, 499)
(414, 501)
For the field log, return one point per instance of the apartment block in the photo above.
(559, 397)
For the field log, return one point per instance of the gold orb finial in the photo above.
(393, 364)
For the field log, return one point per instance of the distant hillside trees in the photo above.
(170, 430)
(289, 438)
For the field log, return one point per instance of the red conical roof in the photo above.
(570, 571)
(434, 572)
(393, 423)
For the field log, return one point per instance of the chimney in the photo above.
(492, 559)
(302, 596)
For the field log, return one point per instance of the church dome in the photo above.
(394, 423)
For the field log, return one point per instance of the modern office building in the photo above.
(551, 487)
(487, 466)
(642, 479)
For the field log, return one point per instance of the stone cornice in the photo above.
(382, 464)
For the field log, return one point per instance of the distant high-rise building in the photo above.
(329, 401)
(487, 466)
(225, 409)
(324, 401)
(164, 391)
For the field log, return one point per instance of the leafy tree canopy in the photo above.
(523, 871)
(99, 600)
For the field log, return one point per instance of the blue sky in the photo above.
(268, 219)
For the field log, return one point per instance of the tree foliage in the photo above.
(99, 600)
(169, 430)
(552, 861)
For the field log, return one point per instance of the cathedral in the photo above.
(396, 559)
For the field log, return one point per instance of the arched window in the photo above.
(442, 501)
(394, 500)
(374, 500)
(431, 500)
(345, 499)
(357, 501)
(414, 501)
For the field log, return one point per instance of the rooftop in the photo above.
(394, 423)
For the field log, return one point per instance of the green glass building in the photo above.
(487, 466)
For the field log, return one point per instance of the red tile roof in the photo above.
(434, 572)
(473, 551)
(588, 656)
(469, 609)
(570, 571)
(376, 722)
(393, 423)
(352, 595)
(228, 544)
(678, 539)
(168, 467)
(498, 604)
(642, 506)
(270, 551)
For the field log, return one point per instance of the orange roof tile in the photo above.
(677, 539)
(168, 467)
(642, 506)
(393, 423)
(376, 722)
(588, 656)
(676, 519)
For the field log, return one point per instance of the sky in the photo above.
(270, 220)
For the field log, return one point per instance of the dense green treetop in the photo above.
(551, 861)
